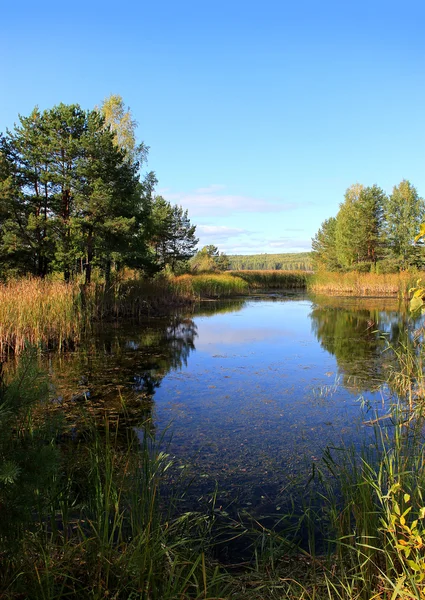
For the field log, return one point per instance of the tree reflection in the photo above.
(357, 335)
(118, 369)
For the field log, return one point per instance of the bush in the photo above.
(387, 265)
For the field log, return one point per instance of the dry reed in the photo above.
(38, 312)
(362, 284)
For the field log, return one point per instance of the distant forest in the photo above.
(297, 261)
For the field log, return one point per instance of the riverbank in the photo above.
(51, 313)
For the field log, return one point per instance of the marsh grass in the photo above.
(36, 311)
(274, 279)
(53, 314)
(362, 284)
(211, 285)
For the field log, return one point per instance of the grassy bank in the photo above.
(362, 284)
(54, 314)
(82, 515)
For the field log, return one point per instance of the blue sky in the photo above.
(258, 115)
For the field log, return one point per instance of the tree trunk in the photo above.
(108, 272)
(89, 257)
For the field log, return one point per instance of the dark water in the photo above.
(252, 391)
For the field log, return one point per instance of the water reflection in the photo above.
(360, 334)
(254, 389)
(120, 367)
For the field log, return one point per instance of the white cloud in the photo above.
(291, 243)
(213, 201)
(214, 187)
(266, 246)
(219, 231)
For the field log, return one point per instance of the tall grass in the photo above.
(89, 522)
(36, 311)
(362, 284)
(211, 285)
(55, 314)
(273, 279)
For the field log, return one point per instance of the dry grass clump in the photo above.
(362, 284)
(37, 312)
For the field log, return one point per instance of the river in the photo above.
(245, 395)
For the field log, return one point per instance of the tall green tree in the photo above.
(73, 194)
(371, 222)
(172, 234)
(404, 213)
(348, 238)
(324, 246)
(359, 226)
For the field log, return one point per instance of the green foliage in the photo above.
(371, 228)
(74, 196)
(123, 125)
(209, 258)
(404, 213)
(324, 247)
(71, 199)
(172, 236)
(358, 228)
(28, 456)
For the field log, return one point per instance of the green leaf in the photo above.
(416, 304)
(9, 472)
(413, 565)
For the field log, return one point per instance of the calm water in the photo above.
(252, 391)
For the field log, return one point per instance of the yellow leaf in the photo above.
(415, 303)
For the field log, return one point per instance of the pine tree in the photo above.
(173, 236)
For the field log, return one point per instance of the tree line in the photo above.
(292, 261)
(372, 231)
(72, 197)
